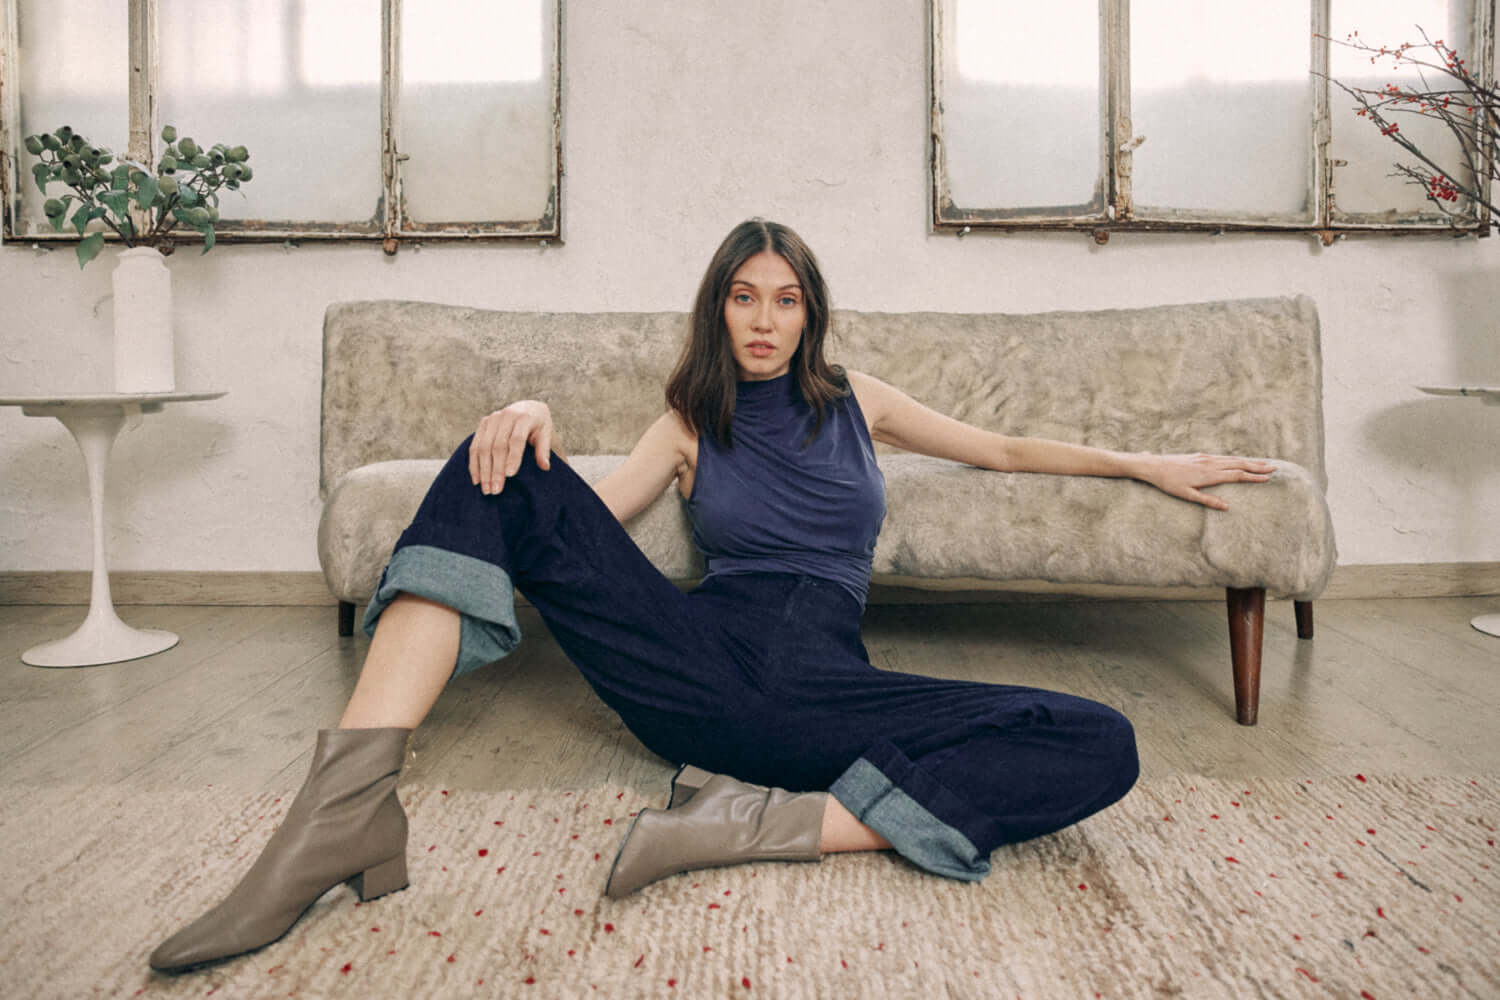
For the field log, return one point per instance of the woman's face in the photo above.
(765, 315)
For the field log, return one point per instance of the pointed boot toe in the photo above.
(200, 943)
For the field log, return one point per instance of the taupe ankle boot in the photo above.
(346, 824)
(727, 822)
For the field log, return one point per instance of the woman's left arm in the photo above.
(896, 419)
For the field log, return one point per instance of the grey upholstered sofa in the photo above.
(405, 382)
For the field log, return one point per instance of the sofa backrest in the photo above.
(411, 379)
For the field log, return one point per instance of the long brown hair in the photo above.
(702, 387)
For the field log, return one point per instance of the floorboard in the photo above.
(1390, 686)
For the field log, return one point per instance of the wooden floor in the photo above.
(1387, 686)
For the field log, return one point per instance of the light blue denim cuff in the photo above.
(479, 591)
(915, 833)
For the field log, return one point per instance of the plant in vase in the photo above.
(143, 208)
(1440, 88)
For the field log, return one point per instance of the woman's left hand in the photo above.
(1186, 476)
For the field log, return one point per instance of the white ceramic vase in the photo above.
(143, 322)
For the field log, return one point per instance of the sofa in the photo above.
(404, 382)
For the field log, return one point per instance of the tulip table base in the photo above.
(1489, 395)
(102, 638)
(94, 422)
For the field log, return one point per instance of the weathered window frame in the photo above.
(1117, 212)
(395, 224)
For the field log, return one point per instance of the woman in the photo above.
(758, 677)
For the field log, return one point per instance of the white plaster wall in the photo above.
(677, 126)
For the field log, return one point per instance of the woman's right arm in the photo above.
(659, 456)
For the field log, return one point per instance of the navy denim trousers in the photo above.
(760, 676)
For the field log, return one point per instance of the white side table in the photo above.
(94, 421)
(1490, 396)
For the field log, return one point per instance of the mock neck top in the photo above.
(775, 502)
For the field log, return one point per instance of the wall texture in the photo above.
(677, 127)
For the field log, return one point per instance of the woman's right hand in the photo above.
(500, 442)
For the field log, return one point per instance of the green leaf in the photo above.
(187, 197)
(118, 202)
(89, 248)
(119, 178)
(208, 239)
(42, 173)
(80, 219)
(146, 193)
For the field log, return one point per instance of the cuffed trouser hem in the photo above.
(479, 591)
(913, 831)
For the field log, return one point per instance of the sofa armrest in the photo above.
(950, 521)
(370, 506)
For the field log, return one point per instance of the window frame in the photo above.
(1116, 172)
(395, 225)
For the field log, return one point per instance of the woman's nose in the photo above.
(762, 316)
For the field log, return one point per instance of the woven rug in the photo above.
(1340, 887)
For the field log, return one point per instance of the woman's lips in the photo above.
(760, 349)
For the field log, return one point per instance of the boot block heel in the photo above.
(386, 877)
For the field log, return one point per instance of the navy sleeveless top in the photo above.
(777, 503)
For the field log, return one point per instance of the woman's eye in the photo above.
(788, 300)
(742, 297)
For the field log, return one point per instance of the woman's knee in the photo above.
(1114, 741)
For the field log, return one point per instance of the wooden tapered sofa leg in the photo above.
(1247, 618)
(1304, 619)
(346, 618)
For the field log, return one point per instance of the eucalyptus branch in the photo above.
(182, 189)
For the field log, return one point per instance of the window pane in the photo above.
(1223, 96)
(74, 72)
(1020, 104)
(297, 82)
(477, 109)
(1365, 187)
